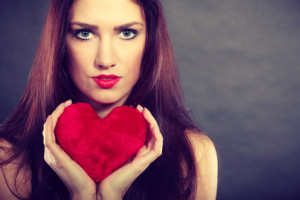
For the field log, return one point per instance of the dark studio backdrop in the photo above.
(240, 68)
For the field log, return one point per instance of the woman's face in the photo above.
(105, 44)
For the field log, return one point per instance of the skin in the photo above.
(80, 185)
(105, 37)
(206, 165)
(107, 51)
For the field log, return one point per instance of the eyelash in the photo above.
(77, 32)
(132, 31)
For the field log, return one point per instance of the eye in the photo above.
(83, 34)
(128, 34)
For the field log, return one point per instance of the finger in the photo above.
(154, 129)
(139, 108)
(121, 179)
(149, 118)
(48, 139)
(50, 142)
(59, 110)
(156, 139)
(61, 163)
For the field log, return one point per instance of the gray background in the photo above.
(239, 64)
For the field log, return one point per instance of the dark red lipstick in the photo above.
(107, 81)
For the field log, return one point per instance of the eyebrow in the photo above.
(83, 25)
(117, 28)
(128, 25)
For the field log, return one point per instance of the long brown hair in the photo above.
(157, 89)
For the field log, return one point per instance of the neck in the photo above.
(103, 109)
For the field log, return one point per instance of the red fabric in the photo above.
(100, 146)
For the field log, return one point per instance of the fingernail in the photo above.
(69, 102)
(140, 108)
(145, 110)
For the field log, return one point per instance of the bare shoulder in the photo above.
(202, 145)
(8, 176)
(200, 140)
(206, 163)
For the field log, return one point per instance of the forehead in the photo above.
(102, 11)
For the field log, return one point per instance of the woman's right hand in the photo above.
(79, 184)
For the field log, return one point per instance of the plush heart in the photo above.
(100, 146)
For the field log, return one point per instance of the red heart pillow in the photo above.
(100, 146)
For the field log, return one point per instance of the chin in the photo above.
(105, 98)
(116, 101)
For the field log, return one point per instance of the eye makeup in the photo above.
(85, 32)
(128, 34)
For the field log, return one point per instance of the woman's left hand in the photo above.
(116, 184)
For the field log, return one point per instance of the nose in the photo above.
(105, 56)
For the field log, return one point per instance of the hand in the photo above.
(116, 184)
(79, 184)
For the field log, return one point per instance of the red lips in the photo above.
(107, 81)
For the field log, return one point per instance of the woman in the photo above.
(106, 53)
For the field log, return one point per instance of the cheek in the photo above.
(78, 60)
(73, 65)
(132, 57)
